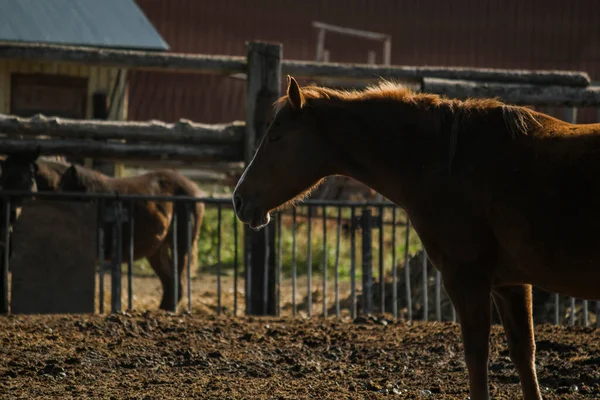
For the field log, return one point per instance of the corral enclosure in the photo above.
(323, 258)
(310, 266)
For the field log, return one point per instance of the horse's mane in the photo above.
(517, 120)
(55, 159)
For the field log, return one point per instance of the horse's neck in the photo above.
(386, 148)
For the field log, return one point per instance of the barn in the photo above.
(521, 34)
(70, 89)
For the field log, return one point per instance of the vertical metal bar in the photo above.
(381, 266)
(394, 268)
(101, 256)
(174, 256)
(279, 261)
(117, 241)
(407, 272)
(6, 259)
(585, 313)
(294, 267)
(425, 295)
(556, 309)
(309, 262)
(235, 264)
(265, 293)
(189, 236)
(352, 263)
(367, 261)
(337, 262)
(324, 261)
(247, 271)
(453, 313)
(571, 116)
(130, 256)
(438, 295)
(219, 214)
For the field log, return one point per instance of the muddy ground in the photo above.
(157, 355)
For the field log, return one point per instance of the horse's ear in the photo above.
(71, 172)
(31, 156)
(294, 94)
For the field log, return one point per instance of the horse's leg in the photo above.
(471, 299)
(194, 216)
(162, 265)
(514, 307)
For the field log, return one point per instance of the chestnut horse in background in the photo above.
(502, 197)
(153, 231)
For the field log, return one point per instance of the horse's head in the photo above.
(70, 180)
(18, 172)
(288, 163)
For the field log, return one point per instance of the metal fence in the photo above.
(320, 268)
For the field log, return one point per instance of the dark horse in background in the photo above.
(153, 219)
(28, 173)
(502, 197)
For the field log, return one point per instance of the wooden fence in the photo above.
(263, 68)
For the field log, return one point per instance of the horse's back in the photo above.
(162, 182)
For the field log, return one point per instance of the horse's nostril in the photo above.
(238, 202)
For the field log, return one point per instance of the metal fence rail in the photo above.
(319, 268)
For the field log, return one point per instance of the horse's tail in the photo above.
(195, 213)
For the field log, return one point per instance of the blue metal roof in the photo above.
(97, 23)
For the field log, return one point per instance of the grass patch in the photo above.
(209, 242)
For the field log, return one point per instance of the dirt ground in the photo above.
(158, 355)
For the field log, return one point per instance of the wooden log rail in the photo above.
(229, 65)
(121, 150)
(512, 93)
(311, 69)
(123, 140)
(183, 131)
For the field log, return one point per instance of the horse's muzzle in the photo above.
(248, 213)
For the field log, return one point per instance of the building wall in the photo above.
(99, 79)
(525, 34)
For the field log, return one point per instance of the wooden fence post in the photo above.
(100, 111)
(263, 88)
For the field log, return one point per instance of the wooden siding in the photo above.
(99, 79)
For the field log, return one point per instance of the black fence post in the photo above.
(116, 215)
(263, 88)
(4, 303)
(367, 261)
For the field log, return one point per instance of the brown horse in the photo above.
(502, 197)
(152, 218)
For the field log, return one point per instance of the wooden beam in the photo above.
(311, 69)
(263, 89)
(350, 31)
(133, 59)
(229, 65)
(522, 94)
(199, 175)
(120, 151)
(236, 167)
(183, 131)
